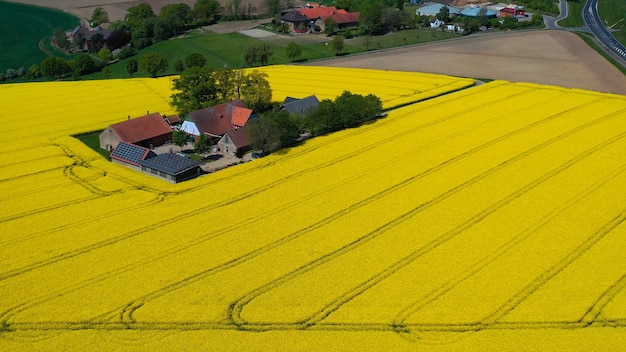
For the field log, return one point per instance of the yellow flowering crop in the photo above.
(488, 218)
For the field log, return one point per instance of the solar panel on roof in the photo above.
(169, 163)
(130, 152)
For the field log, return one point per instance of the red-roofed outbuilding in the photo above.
(147, 131)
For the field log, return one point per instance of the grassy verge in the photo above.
(613, 14)
(92, 140)
(588, 39)
(574, 18)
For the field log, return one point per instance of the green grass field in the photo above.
(226, 50)
(22, 28)
(575, 18)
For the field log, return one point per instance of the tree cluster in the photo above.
(277, 129)
(347, 110)
(273, 130)
(257, 54)
(201, 87)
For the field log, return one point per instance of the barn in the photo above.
(147, 131)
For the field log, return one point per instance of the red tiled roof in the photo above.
(346, 17)
(219, 119)
(240, 116)
(142, 128)
(319, 12)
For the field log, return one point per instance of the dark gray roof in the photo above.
(170, 163)
(294, 16)
(131, 153)
(300, 106)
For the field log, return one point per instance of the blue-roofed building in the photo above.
(130, 154)
(171, 167)
(434, 9)
(475, 12)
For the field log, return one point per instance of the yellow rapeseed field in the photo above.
(489, 218)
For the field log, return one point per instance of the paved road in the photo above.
(594, 23)
(552, 22)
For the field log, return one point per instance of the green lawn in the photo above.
(92, 140)
(613, 13)
(575, 18)
(226, 50)
(22, 27)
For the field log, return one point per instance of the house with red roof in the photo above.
(313, 18)
(147, 131)
(224, 123)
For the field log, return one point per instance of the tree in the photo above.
(84, 64)
(205, 11)
(293, 50)
(179, 14)
(153, 63)
(256, 92)
(262, 134)
(99, 16)
(118, 39)
(345, 5)
(370, 17)
(180, 138)
(337, 44)
(228, 84)
(202, 144)
(96, 43)
(54, 67)
(105, 54)
(132, 66)
(107, 72)
(195, 60)
(273, 7)
(330, 26)
(61, 39)
(257, 54)
(141, 37)
(194, 89)
(179, 66)
(33, 72)
(444, 14)
(137, 15)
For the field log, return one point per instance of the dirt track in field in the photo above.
(551, 57)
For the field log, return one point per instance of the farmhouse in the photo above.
(302, 20)
(89, 35)
(147, 131)
(219, 120)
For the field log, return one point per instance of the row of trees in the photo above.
(201, 87)
(277, 129)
